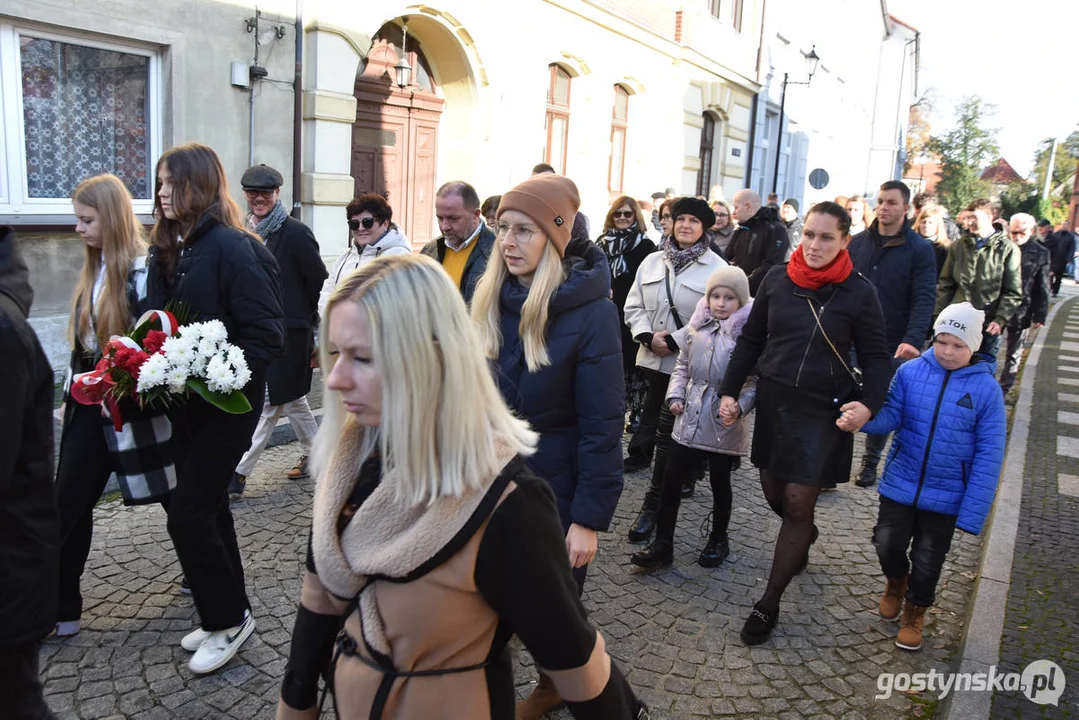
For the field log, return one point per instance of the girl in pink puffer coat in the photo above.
(698, 430)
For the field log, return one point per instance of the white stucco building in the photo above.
(623, 96)
(851, 120)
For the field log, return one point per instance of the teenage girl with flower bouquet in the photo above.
(205, 260)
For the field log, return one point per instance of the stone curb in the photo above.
(980, 645)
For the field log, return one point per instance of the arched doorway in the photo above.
(395, 136)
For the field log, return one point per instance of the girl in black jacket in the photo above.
(204, 259)
(806, 317)
(111, 284)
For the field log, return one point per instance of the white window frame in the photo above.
(13, 175)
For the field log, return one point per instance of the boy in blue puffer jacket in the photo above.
(943, 466)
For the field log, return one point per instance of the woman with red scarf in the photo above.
(806, 317)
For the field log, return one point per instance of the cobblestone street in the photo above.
(674, 632)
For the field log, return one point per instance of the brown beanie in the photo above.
(551, 201)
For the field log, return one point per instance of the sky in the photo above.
(1020, 56)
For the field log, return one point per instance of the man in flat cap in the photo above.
(288, 378)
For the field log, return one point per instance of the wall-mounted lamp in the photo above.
(402, 69)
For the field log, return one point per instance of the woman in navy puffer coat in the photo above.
(949, 443)
(544, 313)
(577, 402)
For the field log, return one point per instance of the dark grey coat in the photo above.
(302, 274)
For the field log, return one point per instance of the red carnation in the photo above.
(153, 342)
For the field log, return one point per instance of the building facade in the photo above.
(850, 118)
(623, 96)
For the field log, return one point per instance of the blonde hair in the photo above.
(487, 311)
(444, 424)
(933, 211)
(122, 242)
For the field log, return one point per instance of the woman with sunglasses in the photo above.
(371, 234)
(545, 318)
(626, 245)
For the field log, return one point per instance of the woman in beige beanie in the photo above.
(545, 317)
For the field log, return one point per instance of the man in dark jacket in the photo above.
(466, 242)
(902, 266)
(1034, 260)
(1061, 246)
(761, 238)
(288, 378)
(29, 523)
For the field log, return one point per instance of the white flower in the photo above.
(173, 342)
(177, 379)
(236, 356)
(153, 373)
(180, 355)
(192, 332)
(207, 347)
(219, 376)
(214, 331)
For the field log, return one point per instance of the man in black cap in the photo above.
(288, 379)
(788, 213)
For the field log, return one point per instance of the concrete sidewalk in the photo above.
(1025, 604)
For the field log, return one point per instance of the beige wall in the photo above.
(492, 70)
(490, 61)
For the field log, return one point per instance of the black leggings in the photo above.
(682, 462)
(795, 504)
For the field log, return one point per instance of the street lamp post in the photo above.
(812, 59)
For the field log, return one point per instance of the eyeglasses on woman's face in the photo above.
(367, 223)
(522, 234)
(627, 214)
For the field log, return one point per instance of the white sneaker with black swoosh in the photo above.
(194, 640)
(219, 647)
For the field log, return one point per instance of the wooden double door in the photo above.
(395, 150)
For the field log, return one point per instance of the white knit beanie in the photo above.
(962, 320)
(732, 277)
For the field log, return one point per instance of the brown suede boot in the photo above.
(543, 699)
(891, 602)
(910, 627)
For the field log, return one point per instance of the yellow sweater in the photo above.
(454, 261)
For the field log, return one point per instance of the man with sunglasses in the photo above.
(465, 244)
(288, 379)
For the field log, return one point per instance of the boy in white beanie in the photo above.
(943, 466)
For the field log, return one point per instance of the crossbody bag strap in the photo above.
(670, 298)
(831, 345)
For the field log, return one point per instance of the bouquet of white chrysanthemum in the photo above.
(198, 357)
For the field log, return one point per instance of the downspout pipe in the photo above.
(297, 116)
